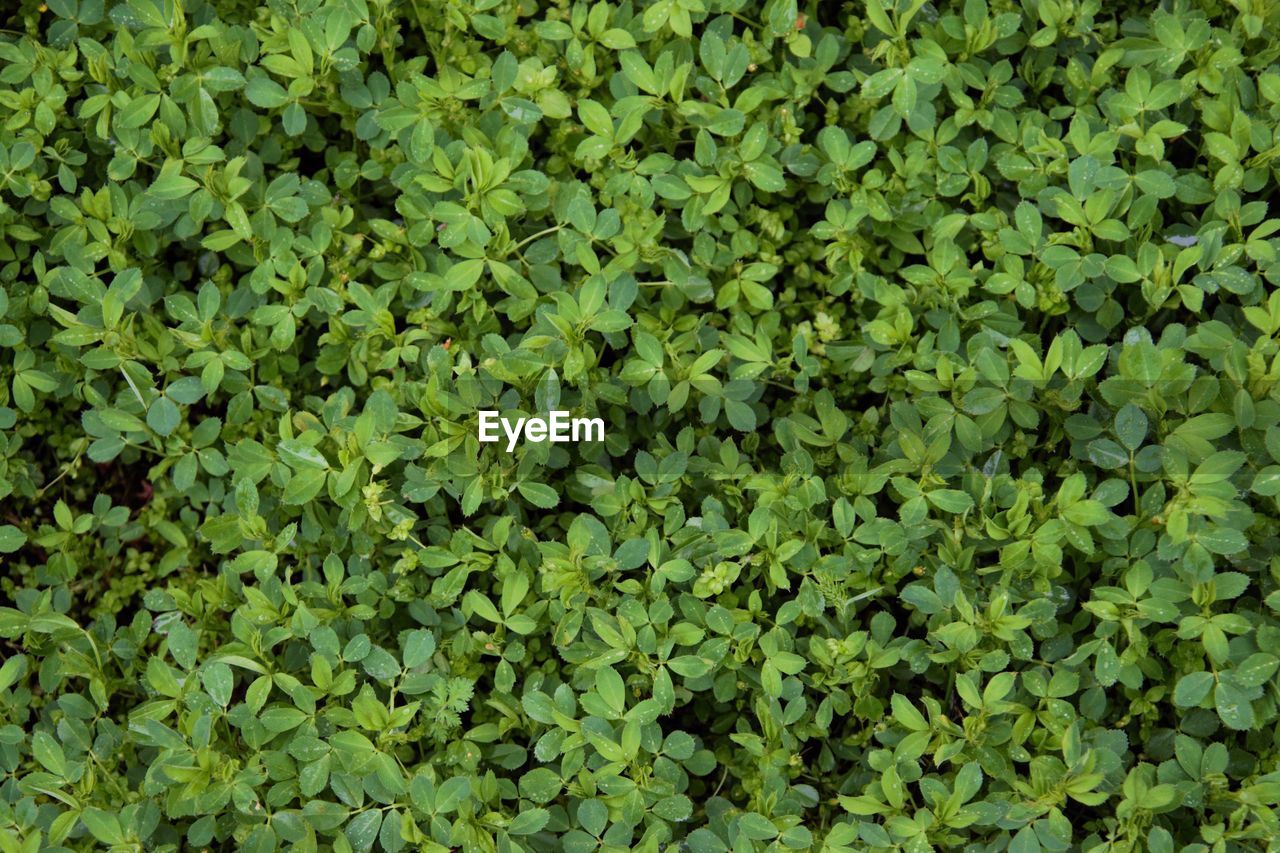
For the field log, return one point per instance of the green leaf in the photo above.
(418, 648)
(610, 687)
(103, 825)
(303, 486)
(11, 538)
(950, 500)
(906, 714)
(163, 416)
(265, 92)
(765, 176)
(538, 494)
(541, 785)
(138, 111)
(49, 753)
(1234, 706)
(1131, 426)
(451, 793)
(14, 667)
(690, 666)
(529, 821)
(1192, 689)
(172, 185)
(1105, 453)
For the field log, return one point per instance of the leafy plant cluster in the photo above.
(938, 348)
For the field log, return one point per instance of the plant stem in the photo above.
(544, 232)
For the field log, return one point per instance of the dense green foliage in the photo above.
(937, 348)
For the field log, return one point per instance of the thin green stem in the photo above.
(66, 469)
(544, 232)
(143, 447)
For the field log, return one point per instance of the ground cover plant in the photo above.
(937, 349)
